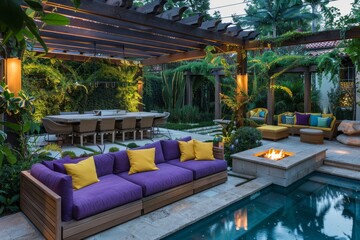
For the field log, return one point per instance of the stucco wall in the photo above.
(324, 85)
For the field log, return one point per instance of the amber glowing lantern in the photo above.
(242, 84)
(13, 74)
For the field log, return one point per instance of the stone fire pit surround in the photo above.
(305, 160)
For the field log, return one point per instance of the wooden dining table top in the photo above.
(75, 118)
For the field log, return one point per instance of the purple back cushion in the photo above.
(50, 164)
(59, 165)
(104, 164)
(302, 119)
(122, 163)
(171, 148)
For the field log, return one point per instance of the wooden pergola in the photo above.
(116, 30)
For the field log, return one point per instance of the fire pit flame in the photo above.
(274, 154)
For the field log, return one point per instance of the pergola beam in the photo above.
(131, 28)
(132, 35)
(93, 39)
(91, 50)
(100, 48)
(94, 36)
(77, 58)
(92, 7)
(190, 55)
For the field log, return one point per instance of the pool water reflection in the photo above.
(317, 207)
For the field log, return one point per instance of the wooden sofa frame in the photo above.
(43, 206)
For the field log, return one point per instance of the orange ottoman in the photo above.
(273, 132)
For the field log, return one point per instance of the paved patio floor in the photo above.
(175, 216)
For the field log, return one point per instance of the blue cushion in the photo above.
(283, 119)
(323, 122)
(289, 120)
(262, 114)
(314, 119)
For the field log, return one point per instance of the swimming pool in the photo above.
(317, 207)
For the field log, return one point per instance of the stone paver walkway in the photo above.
(158, 223)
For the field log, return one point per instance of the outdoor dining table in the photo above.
(76, 118)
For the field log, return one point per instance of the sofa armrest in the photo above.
(41, 205)
(218, 152)
(59, 183)
(334, 125)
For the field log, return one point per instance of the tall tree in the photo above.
(269, 16)
(315, 4)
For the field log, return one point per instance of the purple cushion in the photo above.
(121, 163)
(302, 119)
(59, 165)
(104, 164)
(201, 168)
(60, 183)
(171, 148)
(112, 191)
(50, 164)
(168, 176)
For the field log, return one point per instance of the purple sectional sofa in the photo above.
(59, 212)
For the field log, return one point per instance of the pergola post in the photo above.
(188, 88)
(1, 77)
(218, 73)
(241, 84)
(271, 102)
(307, 91)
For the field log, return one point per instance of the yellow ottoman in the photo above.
(273, 132)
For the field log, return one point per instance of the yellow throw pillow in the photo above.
(83, 173)
(203, 150)
(330, 115)
(256, 112)
(141, 160)
(186, 150)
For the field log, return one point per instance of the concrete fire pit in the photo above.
(301, 161)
